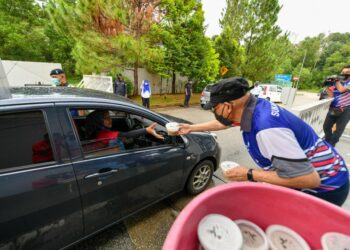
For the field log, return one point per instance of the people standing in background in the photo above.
(256, 90)
(119, 86)
(145, 93)
(58, 78)
(188, 93)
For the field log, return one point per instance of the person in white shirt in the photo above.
(145, 93)
(256, 90)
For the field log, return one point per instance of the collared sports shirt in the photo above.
(278, 140)
(341, 99)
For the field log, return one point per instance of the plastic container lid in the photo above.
(172, 127)
(254, 237)
(284, 238)
(227, 165)
(218, 232)
(335, 241)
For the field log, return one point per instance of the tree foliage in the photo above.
(109, 35)
(186, 49)
(231, 54)
(253, 25)
(325, 55)
(167, 37)
(22, 31)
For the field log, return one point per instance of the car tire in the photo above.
(200, 177)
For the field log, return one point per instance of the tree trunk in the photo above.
(173, 83)
(136, 78)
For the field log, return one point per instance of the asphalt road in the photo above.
(148, 229)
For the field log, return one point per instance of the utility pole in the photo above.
(301, 68)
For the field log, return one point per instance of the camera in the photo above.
(331, 80)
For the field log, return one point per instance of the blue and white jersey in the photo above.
(280, 141)
(341, 99)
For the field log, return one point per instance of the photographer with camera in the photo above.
(337, 87)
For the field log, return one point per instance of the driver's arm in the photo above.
(133, 133)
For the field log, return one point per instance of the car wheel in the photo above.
(200, 177)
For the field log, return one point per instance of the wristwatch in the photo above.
(250, 175)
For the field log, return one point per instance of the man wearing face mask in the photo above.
(58, 78)
(339, 111)
(287, 150)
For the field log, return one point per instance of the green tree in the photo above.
(330, 45)
(108, 35)
(22, 34)
(312, 46)
(253, 24)
(336, 61)
(187, 51)
(231, 54)
(305, 77)
(324, 56)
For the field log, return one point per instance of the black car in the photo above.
(57, 187)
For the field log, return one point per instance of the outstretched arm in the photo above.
(150, 130)
(213, 125)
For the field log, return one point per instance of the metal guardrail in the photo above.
(313, 114)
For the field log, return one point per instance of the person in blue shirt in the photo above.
(339, 110)
(287, 150)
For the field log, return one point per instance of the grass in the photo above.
(166, 100)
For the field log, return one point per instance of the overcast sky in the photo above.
(301, 18)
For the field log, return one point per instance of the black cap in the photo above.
(56, 72)
(227, 90)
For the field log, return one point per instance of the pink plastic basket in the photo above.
(262, 204)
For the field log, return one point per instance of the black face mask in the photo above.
(224, 121)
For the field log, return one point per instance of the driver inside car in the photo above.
(98, 126)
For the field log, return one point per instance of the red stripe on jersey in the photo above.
(323, 148)
(322, 163)
(332, 174)
(320, 149)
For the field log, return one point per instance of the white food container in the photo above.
(218, 232)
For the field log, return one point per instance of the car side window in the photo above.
(24, 140)
(104, 132)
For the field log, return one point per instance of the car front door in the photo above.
(40, 205)
(115, 182)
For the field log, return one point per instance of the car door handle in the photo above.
(101, 173)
